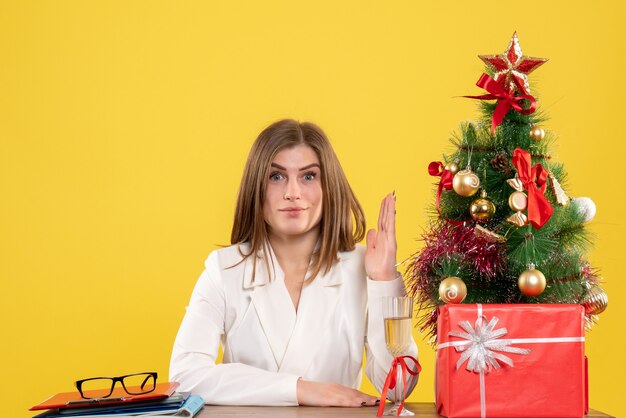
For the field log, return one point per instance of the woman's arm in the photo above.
(383, 280)
(378, 358)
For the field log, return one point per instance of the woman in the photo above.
(294, 300)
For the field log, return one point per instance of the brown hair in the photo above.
(343, 221)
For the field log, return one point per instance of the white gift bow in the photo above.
(482, 347)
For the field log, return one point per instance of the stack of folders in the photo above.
(164, 401)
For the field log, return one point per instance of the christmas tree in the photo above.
(503, 229)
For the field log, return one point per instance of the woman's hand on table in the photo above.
(331, 394)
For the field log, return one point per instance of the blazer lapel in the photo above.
(316, 309)
(273, 306)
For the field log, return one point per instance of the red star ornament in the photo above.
(511, 68)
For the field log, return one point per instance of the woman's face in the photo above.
(293, 196)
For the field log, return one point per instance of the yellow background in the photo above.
(124, 126)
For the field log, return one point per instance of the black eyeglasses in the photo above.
(102, 387)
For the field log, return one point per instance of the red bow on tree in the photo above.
(437, 169)
(534, 180)
(506, 100)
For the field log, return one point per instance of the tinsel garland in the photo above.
(442, 242)
(487, 260)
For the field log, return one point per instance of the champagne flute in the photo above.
(398, 314)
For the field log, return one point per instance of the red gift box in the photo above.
(523, 361)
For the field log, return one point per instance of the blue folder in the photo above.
(188, 408)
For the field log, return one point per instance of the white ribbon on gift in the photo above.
(483, 348)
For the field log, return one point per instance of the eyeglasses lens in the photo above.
(137, 384)
(96, 388)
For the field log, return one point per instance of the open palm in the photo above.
(380, 255)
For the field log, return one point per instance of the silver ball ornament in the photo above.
(586, 207)
(595, 301)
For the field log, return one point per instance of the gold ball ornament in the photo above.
(537, 133)
(595, 301)
(465, 183)
(452, 290)
(452, 167)
(482, 209)
(531, 282)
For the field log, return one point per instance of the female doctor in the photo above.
(294, 299)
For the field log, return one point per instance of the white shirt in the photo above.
(267, 345)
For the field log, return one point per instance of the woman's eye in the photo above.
(276, 176)
(309, 176)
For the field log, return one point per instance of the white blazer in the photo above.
(267, 345)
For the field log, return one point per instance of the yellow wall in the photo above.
(124, 126)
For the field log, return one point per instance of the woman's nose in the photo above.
(293, 190)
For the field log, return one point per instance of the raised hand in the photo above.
(380, 255)
(331, 394)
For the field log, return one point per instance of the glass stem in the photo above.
(399, 387)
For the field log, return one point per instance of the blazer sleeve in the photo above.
(196, 348)
(378, 358)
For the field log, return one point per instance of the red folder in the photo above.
(118, 397)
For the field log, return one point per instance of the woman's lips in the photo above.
(292, 211)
